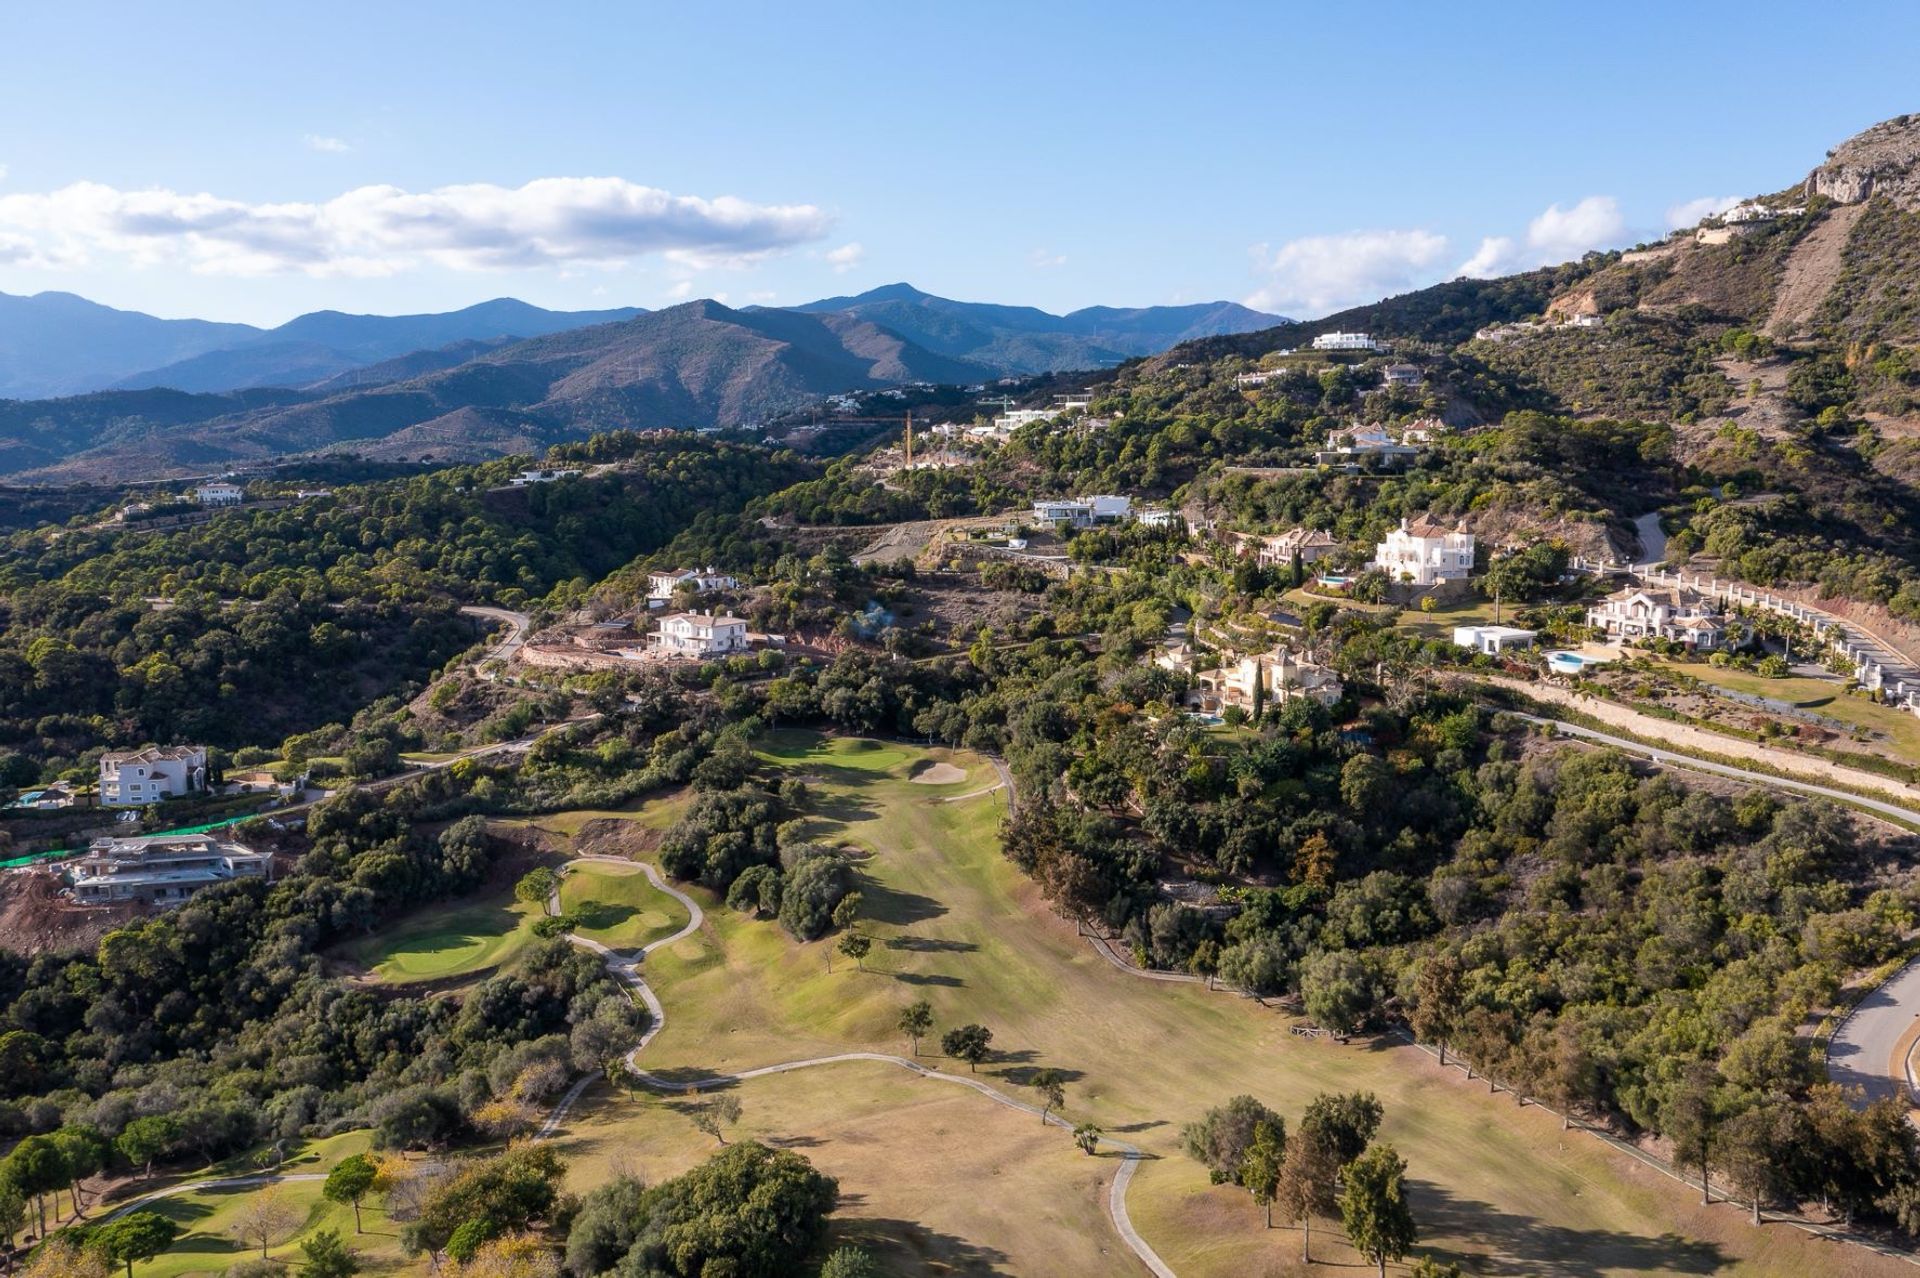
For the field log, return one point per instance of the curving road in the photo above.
(517, 624)
(626, 969)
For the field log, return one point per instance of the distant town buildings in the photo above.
(219, 494)
(698, 635)
(1083, 512)
(539, 476)
(1675, 613)
(132, 778)
(661, 585)
(1345, 342)
(1425, 552)
(162, 869)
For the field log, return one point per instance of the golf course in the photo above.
(442, 943)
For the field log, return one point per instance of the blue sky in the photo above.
(250, 161)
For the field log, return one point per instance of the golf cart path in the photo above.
(625, 968)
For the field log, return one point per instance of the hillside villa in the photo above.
(132, 778)
(1372, 445)
(1345, 342)
(661, 585)
(1677, 614)
(1276, 550)
(219, 494)
(1425, 552)
(697, 635)
(1492, 640)
(1083, 512)
(538, 476)
(161, 869)
(1283, 675)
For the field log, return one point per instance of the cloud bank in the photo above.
(384, 230)
(1318, 274)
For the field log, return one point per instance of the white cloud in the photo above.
(1322, 273)
(3, 172)
(846, 257)
(381, 230)
(1496, 255)
(1690, 212)
(1560, 235)
(681, 291)
(1044, 259)
(331, 146)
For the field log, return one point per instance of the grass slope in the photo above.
(616, 906)
(1494, 1184)
(437, 943)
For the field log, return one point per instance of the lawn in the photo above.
(438, 942)
(1497, 1185)
(1900, 730)
(617, 906)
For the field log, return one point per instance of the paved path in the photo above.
(224, 1182)
(517, 624)
(1653, 539)
(1867, 1049)
(626, 970)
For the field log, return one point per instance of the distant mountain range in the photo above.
(501, 376)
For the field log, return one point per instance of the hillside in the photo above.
(58, 344)
(696, 365)
(1024, 339)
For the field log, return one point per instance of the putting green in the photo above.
(617, 906)
(436, 943)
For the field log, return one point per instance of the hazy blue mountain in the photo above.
(1024, 339)
(60, 344)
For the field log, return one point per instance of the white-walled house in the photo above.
(539, 476)
(1425, 552)
(162, 869)
(219, 494)
(1284, 675)
(1083, 512)
(1679, 614)
(699, 634)
(131, 778)
(1492, 640)
(661, 585)
(1345, 342)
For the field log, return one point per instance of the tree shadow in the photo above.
(703, 1080)
(906, 1246)
(843, 809)
(1023, 1075)
(1146, 1126)
(885, 904)
(602, 915)
(928, 944)
(929, 978)
(1528, 1247)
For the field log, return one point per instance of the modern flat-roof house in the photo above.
(1083, 512)
(1345, 342)
(130, 778)
(161, 869)
(537, 476)
(219, 494)
(1492, 640)
(1425, 552)
(1158, 517)
(661, 585)
(1369, 445)
(1681, 615)
(1014, 418)
(698, 634)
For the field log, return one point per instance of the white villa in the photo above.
(132, 778)
(1014, 418)
(1351, 445)
(162, 869)
(1682, 615)
(1492, 640)
(1425, 552)
(219, 494)
(1345, 342)
(698, 634)
(661, 585)
(1158, 517)
(1278, 549)
(537, 476)
(1083, 512)
(1400, 375)
(1284, 676)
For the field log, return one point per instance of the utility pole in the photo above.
(909, 465)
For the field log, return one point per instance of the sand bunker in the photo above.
(938, 774)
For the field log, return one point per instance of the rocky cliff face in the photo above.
(1884, 160)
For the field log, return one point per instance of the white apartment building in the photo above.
(698, 635)
(661, 585)
(1679, 614)
(219, 494)
(1345, 342)
(132, 778)
(1425, 552)
(162, 869)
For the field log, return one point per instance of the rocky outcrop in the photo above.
(1884, 160)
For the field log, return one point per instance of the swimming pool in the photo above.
(1567, 663)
